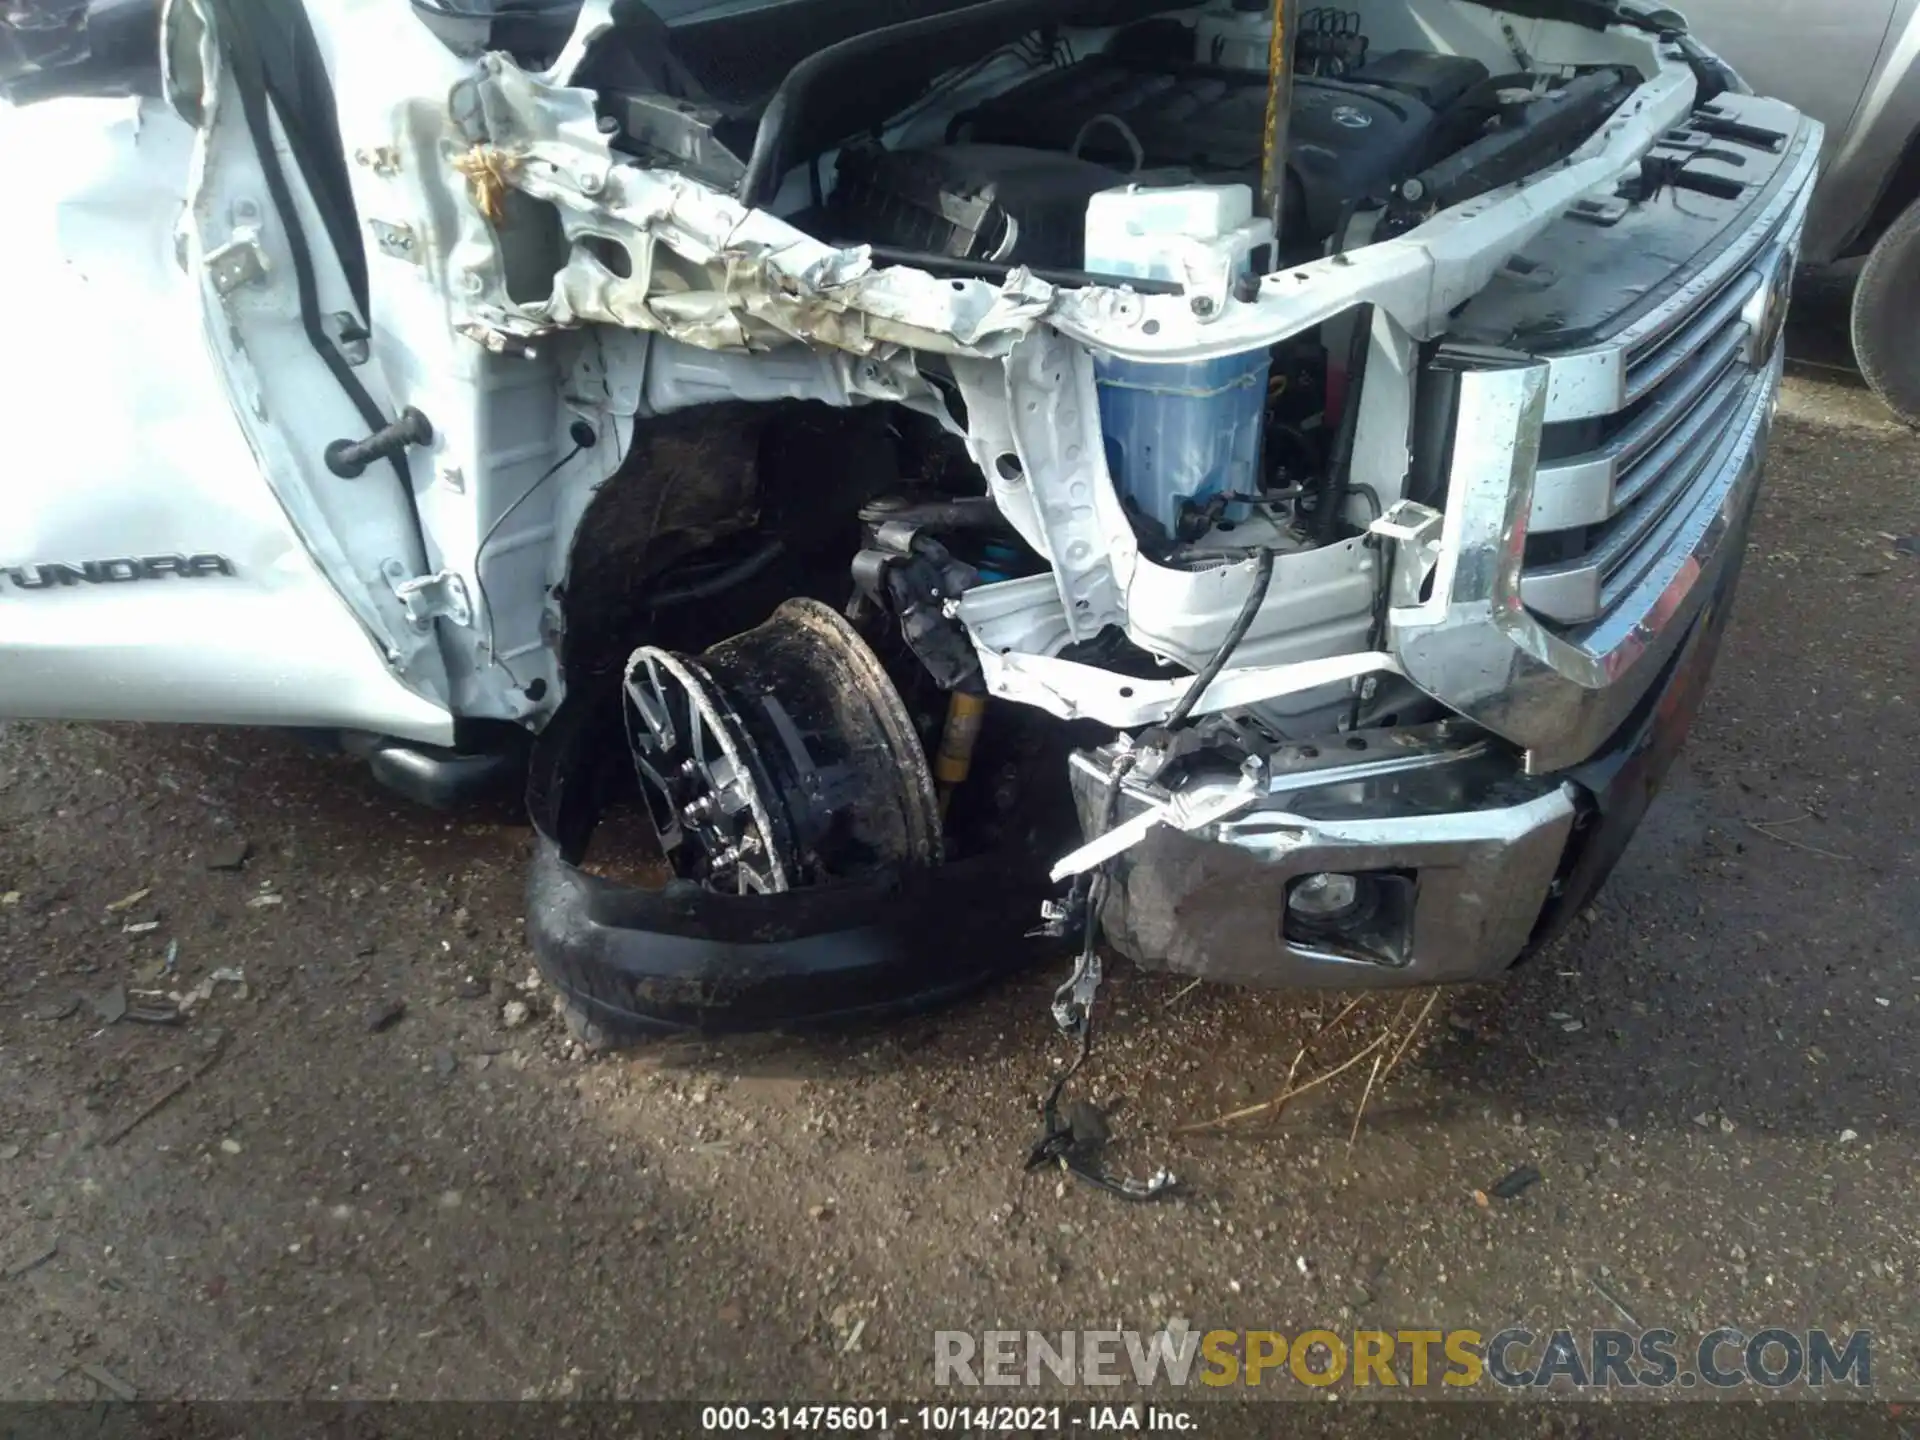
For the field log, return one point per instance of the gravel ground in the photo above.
(352, 1175)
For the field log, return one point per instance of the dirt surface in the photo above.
(354, 1176)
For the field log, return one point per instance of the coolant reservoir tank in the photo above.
(1179, 434)
(1170, 232)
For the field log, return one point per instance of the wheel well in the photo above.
(719, 513)
(1902, 188)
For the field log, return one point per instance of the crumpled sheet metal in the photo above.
(743, 278)
(704, 268)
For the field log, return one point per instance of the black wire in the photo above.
(725, 579)
(479, 554)
(1056, 1140)
(1249, 612)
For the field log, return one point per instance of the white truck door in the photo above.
(151, 563)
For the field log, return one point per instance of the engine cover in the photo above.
(1350, 139)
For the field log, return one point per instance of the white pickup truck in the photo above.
(936, 462)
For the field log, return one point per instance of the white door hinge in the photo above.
(427, 598)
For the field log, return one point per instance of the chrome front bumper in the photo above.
(1466, 848)
(1471, 834)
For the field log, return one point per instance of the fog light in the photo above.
(1323, 896)
(1366, 916)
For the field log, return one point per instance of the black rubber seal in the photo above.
(277, 70)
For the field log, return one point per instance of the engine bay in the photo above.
(1028, 160)
(995, 155)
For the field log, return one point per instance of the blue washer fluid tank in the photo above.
(1177, 434)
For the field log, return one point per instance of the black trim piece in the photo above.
(1622, 781)
(1496, 317)
(1714, 76)
(442, 779)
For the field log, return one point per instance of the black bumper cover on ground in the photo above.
(635, 961)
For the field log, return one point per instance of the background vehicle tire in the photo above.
(1886, 318)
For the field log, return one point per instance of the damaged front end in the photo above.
(963, 454)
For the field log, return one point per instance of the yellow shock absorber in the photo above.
(965, 713)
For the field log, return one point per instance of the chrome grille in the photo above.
(1654, 361)
(1622, 408)
(1601, 514)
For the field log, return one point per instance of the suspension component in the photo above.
(966, 712)
(780, 758)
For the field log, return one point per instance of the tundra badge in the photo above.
(116, 572)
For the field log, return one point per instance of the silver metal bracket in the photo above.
(381, 159)
(441, 596)
(1415, 532)
(241, 261)
(397, 240)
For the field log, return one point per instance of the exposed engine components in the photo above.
(984, 202)
(913, 578)
(1164, 120)
(1531, 124)
(780, 758)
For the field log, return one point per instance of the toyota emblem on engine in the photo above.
(1352, 117)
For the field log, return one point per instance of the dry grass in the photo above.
(1388, 1045)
